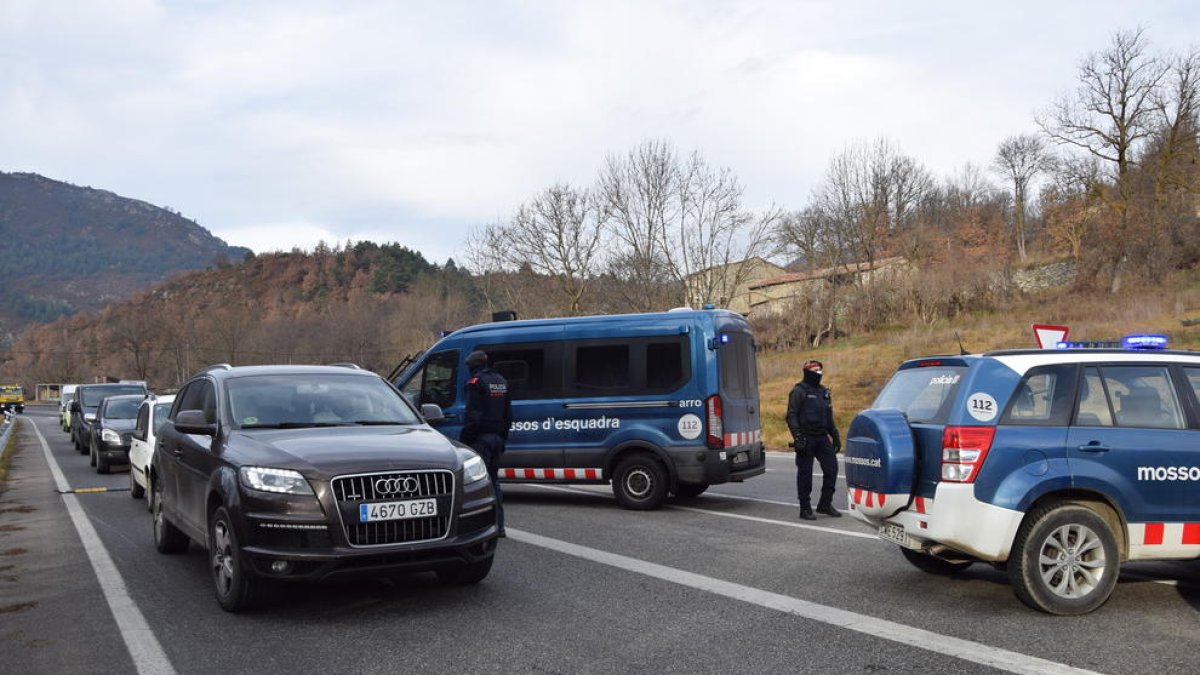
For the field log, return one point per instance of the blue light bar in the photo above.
(1145, 342)
(1134, 342)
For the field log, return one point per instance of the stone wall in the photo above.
(1045, 276)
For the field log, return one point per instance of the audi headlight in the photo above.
(284, 481)
(110, 436)
(474, 470)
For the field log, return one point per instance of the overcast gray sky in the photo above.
(276, 124)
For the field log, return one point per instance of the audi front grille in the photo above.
(352, 491)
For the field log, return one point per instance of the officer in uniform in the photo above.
(488, 418)
(810, 419)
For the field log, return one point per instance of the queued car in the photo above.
(305, 473)
(64, 406)
(87, 400)
(112, 431)
(1055, 465)
(151, 415)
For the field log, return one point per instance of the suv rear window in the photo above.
(922, 394)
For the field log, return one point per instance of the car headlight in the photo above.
(474, 470)
(284, 481)
(110, 436)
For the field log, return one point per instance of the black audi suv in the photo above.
(302, 473)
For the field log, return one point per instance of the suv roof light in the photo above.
(1137, 341)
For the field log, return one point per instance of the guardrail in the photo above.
(10, 423)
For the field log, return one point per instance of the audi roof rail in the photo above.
(347, 364)
(215, 366)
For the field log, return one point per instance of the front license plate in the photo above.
(895, 534)
(415, 508)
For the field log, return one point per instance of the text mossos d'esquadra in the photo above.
(577, 424)
(1168, 473)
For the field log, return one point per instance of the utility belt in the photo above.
(806, 439)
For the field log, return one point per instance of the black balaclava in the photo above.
(812, 378)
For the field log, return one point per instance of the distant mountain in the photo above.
(65, 248)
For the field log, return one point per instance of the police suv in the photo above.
(1056, 465)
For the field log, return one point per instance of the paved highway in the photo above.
(728, 582)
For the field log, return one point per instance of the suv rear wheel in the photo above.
(640, 483)
(167, 537)
(1064, 559)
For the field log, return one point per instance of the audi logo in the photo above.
(396, 486)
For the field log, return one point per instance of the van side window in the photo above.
(602, 369)
(1093, 402)
(665, 369)
(435, 383)
(525, 370)
(1142, 396)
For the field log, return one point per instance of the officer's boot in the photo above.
(806, 512)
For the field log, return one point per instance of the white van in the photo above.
(64, 406)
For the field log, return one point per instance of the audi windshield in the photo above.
(299, 401)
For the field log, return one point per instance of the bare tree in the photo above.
(557, 234)
(1110, 116)
(639, 197)
(870, 192)
(1020, 159)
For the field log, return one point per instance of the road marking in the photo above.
(147, 654)
(966, 650)
(770, 521)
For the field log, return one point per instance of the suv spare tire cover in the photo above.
(880, 462)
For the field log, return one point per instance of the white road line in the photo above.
(965, 650)
(581, 489)
(147, 654)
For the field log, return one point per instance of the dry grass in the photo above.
(856, 369)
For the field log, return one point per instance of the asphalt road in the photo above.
(728, 582)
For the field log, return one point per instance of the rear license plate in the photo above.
(416, 508)
(741, 458)
(895, 534)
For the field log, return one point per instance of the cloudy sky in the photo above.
(278, 123)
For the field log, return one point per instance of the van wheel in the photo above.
(689, 490)
(640, 483)
(167, 537)
(1064, 560)
(932, 564)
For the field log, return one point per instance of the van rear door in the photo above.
(737, 374)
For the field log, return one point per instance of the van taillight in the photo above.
(963, 452)
(716, 426)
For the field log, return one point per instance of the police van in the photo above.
(1056, 465)
(654, 403)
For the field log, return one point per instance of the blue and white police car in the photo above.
(1056, 465)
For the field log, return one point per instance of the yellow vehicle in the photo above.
(12, 397)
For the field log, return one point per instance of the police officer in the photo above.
(488, 417)
(810, 419)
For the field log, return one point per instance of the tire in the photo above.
(236, 589)
(689, 490)
(167, 538)
(640, 483)
(91, 455)
(933, 565)
(136, 491)
(102, 464)
(470, 573)
(1064, 560)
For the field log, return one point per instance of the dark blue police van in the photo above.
(654, 403)
(1056, 465)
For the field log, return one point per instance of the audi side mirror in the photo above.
(194, 422)
(432, 413)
